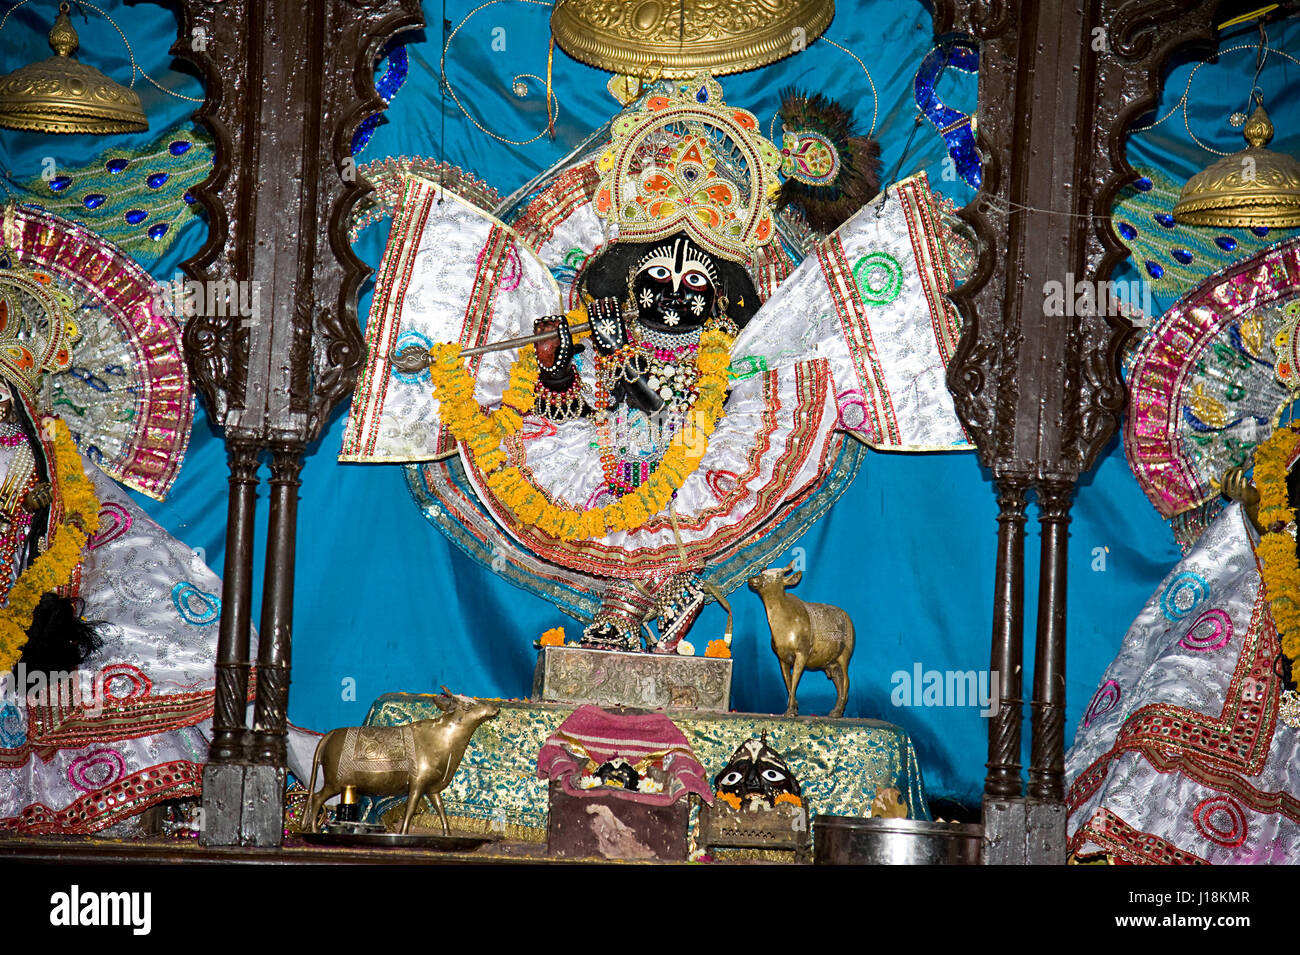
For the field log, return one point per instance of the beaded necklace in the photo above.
(631, 447)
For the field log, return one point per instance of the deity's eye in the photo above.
(659, 273)
(773, 775)
(730, 779)
(696, 280)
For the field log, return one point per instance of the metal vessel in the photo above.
(846, 840)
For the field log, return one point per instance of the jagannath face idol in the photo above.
(675, 286)
(756, 775)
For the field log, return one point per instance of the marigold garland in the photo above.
(55, 567)
(483, 434)
(731, 799)
(1277, 548)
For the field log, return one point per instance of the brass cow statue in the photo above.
(805, 636)
(418, 759)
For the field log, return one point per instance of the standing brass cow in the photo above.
(805, 636)
(418, 759)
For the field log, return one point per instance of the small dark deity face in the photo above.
(756, 775)
(675, 286)
(620, 772)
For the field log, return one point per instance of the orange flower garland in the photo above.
(482, 434)
(731, 799)
(55, 567)
(1277, 548)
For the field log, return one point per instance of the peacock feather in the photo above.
(138, 200)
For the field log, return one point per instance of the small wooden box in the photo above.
(614, 828)
(785, 827)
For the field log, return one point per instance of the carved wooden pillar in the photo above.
(1047, 753)
(1039, 388)
(1045, 812)
(279, 345)
(1003, 806)
(276, 633)
(1003, 779)
(228, 742)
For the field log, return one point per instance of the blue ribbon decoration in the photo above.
(956, 128)
(386, 86)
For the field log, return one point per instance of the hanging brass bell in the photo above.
(63, 95)
(1253, 187)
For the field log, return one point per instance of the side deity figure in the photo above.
(1188, 751)
(107, 623)
(48, 507)
(639, 390)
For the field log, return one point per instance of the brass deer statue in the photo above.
(418, 759)
(805, 636)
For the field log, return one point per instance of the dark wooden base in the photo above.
(1045, 832)
(612, 828)
(1004, 831)
(243, 805)
(1024, 832)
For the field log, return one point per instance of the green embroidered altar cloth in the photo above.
(841, 764)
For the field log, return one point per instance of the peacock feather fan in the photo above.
(829, 173)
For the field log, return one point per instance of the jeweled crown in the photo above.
(683, 160)
(36, 328)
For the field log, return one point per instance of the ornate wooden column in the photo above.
(234, 627)
(278, 344)
(1040, 392)
(1003, 779)
(273, 650)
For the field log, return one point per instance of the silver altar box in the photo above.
(644, 680)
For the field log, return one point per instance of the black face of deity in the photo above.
(675, 286)
(618, 771)
(756, 774)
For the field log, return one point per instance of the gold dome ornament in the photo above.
(679, 39)
(64, 95)
(1254, 187)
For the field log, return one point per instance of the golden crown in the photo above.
(685, 161)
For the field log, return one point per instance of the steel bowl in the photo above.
(846, 840)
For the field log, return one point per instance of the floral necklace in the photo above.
(482, 435)
(56, 566)
(1280, 567)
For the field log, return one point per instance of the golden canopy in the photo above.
(679, 39)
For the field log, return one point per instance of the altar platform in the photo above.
(840, 763)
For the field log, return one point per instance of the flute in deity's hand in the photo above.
(414, 359)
